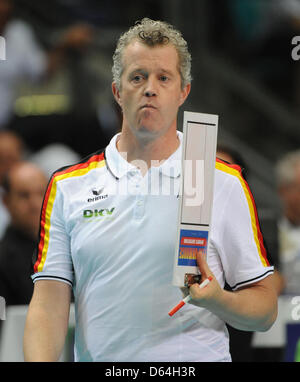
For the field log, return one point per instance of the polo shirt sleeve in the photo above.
(242, 250)
(53, 260)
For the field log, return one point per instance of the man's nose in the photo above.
(149, 93)
(150, 89)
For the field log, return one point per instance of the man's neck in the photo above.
(147, 152)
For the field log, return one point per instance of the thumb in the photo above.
(202, 264)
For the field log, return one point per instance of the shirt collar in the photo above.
(119, 166)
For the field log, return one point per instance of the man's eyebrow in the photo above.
(140, 71)
(145, 73)
(166, 71)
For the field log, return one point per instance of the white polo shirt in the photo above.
(104, 234)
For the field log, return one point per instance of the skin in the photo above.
(150, 96)
(252, 308)
(225, 156)
(11, 152)
(47, 321)
(24, 199)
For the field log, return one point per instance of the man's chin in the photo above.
(147, 134)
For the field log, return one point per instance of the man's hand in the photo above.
(211, 292)
(252, 307)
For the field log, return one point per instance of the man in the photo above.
(106, 235)
(11, 152)
(24, 187)
(288, 184)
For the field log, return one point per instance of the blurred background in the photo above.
(242, 70)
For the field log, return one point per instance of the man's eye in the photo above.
(136, 78)
(164, 78)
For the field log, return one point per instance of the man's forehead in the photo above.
(139, 51)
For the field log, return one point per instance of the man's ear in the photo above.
(116, 94)
(184, 93)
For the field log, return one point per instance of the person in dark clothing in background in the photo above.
(24, 187)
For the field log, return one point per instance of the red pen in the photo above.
(188, 297)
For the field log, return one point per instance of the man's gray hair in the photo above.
(286, 167)
(153, 33)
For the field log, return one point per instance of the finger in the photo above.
(195, 290)
(202, 264)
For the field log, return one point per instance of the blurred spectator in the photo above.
(50, 158)
(11, 152)
(230, 155)
(288, 183)
(26, 59)
(24, 187)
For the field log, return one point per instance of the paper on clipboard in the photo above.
(196, 196)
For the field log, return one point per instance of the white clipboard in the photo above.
(196, 197)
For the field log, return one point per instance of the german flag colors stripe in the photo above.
(95, 161)
(236, 171)
(98, 161)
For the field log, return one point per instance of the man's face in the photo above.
(24, 200)
(150, 92)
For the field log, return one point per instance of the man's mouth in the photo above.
(148, 106)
